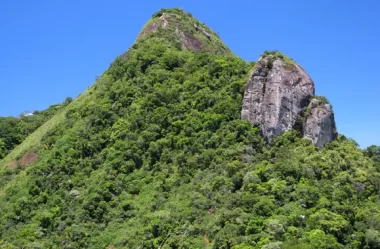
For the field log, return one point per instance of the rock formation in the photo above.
(319, 124)
(277, 94)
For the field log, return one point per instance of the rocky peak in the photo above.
(276, 96)
(183, 30)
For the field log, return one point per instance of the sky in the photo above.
(50, 50)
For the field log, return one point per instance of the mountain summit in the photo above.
(181, 144)
(183, 31)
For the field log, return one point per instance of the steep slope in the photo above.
(33, 142)
(155, 155)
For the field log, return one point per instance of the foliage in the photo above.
(182, 30)
(14, 131)
(321, 99)
(373, 152)
(155, 154)
(268, 58)
(275, 54)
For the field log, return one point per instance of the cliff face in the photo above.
(319, 125)
(276, 96)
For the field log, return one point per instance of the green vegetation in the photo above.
(154, 155)
(183, 31)
(322, 100)
(14, 131)
(271, 56)
(373, 152)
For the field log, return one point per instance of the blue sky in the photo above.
(50, 50)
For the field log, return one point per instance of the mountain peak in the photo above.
(183, 31)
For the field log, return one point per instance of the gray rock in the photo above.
(275, 96)
(319, 125)
(74, 193)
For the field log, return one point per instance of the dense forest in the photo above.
(155, 155)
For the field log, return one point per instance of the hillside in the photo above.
(14, 130)
(156, 155)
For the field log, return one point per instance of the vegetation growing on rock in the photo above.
(271, 56)
(183, 31)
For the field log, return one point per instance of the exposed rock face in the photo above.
(276, 96)
(320, 126)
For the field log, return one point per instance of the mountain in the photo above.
(159, 153)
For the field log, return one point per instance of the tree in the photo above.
(372, 238)
(329, 222)
(68, 100)
(320, 240)
(2, 148)
(373, 152)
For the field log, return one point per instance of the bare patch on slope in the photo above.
(27, 159)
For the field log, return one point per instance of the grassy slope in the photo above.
(33, 141)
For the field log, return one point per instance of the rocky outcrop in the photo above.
(319, 124)
(276, 96)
